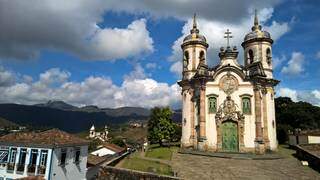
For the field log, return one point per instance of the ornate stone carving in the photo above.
(229, 84)
(228, 112)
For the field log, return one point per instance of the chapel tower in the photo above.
(257, 48)
(194, 48)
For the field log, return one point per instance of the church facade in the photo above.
(229, 107)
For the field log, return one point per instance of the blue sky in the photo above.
(127, 53)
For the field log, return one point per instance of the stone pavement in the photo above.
(196, 167)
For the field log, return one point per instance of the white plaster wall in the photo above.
(272, 133)
(243, 88)
(313, 139)
(186, 109)
(71, 170)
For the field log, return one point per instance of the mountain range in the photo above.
(59, 114)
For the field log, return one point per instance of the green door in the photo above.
(229, 137)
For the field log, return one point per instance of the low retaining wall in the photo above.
(307, 155)
(112, 173)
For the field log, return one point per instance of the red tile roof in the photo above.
(114, 147)
(49, 138)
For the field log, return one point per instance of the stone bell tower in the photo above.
(194, 49)
(257, 48)
(258, 64)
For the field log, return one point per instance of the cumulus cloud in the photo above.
(27, 27)
(55, 84)
(214, 30)
(7, 78)
(227, 10)
(287, 92)
(295, 64)
(311, 96)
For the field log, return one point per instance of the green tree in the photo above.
(160, 125)
(118, 142)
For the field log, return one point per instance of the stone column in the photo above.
(259, 133)
(202, 111)
(265, 119)
(192, 136)
(257, 104)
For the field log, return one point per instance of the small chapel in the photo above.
(229, 107)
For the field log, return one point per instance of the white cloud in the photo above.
(311, 96)
(277, 61)
(214, 30)
(54, 75)
(7, 78)
(287, 92)
(295, 64)
(151, 65)
(54, 84)
(27, 27)
(318, 55)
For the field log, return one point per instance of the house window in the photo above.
(246, 105)
(250, 56)
(63, 156)
(34, 155)
(77, 155)
(212, 104)
(23, 155)
(13, 155)
(44, 157)
(4, 154)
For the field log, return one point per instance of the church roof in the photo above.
(50, 138)
(195, 36)
(257, 32)
(92, 128)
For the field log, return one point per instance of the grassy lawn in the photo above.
(158, 152)
(285, 151)
(136, 163)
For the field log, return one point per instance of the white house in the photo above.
(53, 154)
(109, 149)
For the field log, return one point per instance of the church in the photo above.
(229, 107)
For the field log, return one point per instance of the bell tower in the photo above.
(194, 48)
(258, 48)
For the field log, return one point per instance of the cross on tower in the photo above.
(228, 36)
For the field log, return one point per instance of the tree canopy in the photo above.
(160, 125)
(291, 115)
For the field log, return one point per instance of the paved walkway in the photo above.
(196, 167)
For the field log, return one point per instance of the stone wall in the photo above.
(310, 153)
(112, 173)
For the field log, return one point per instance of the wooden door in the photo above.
(230, 137)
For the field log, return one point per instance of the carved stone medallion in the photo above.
(229, 84)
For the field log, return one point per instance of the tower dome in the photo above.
(257, 32)
(194, 36)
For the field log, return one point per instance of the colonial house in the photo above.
(52, 154)
(304, 137)
(228, 107)
(101, 135)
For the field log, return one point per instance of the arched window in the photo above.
(250, 56)
(246, 105)
(185, 60)
(212, 104)
(201, 57)
(268, 54)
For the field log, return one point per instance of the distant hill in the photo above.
(72, 119)
(291, 115)
(5, 123)
(57, 105)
